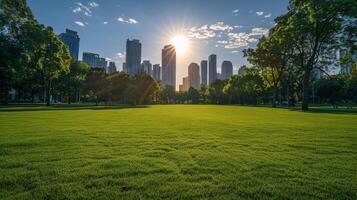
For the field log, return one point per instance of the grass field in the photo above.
(177, 152)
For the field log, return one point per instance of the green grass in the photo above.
(176, 152)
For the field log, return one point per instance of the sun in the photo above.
(181, 43)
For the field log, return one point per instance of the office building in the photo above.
(124, 69)
(92, 59)
(156, 72)
(133, 56)
(146, 67)
(112, 68)
(102, 63)
(227, 69)
(168, 63)
(71, 39)
(194, 76)
(204, 72)
(242, 70)
(212, 68)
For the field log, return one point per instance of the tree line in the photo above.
(303, 42)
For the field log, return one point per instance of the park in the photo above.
(176, 152)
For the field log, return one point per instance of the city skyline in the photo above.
(104, 27)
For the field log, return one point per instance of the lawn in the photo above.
(177, 152)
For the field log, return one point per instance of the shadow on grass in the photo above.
(316, 110)
(41, 107)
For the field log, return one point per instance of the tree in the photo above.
(215, 92)
(331, 89)
(193, 95)
(69, 83)
(141, 87)
(203, 93)
(96, 83)
(271, 56)
(118, 84)
(314, 26)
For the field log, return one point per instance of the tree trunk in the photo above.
(48, 93)
(274, 97)
(305, 90)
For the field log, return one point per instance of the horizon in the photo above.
(221, 28)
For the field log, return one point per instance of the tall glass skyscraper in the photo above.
(71, 39)
(156, 72)
(92, 59)
(133, 56)
(204, 72)
(168, 59)
(227, 69)
(212, 62)
(194, 76)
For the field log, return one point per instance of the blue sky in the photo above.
(222, 27)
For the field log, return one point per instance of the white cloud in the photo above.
(105, 22)
(220, 26)
(129, 21)
(93, 4)
(259, 13)
(222, 42)
(235, 11)
(200, 32)
(85, 9)
(268, 15)
(238, 26)
(259, 31)
(77, 9)
(120, 55)
(79, 23)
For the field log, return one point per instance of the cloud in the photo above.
(93, 4)
(259, 31)
(235, 11)
(268, 15)
(238, 26)
(79, 23)
(259, 13)
(220, 26)
(77, 9)
(120, 55)
(202, 32)
(105, 22)
(222, 42)
(85, 9)
(129, 21)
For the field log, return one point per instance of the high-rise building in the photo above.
(185, 84)
(168, 63)
(71, 39)
(227, 69)
(212, 71)
(346, 68)
(102, 63)
(125, 69)
(112, 68)
(204, 72)
(242, 69)
(156, 72)
(91, 59)
(194, 76)
(146, 67)
(133, 56)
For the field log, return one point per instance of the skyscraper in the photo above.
(169, 65)
(125, 69)
(102, 63)
(212, 71)
(185, 85)
(242, 69)
(112, 68)
(194, 76)
(71, 39)
(146, 67)
(227, 69)
(133, 56)
(204, 72)
(91, 59)
(156, 72)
